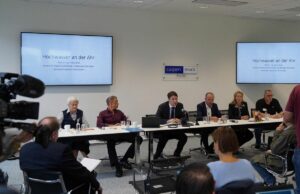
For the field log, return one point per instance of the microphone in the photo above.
(28, 86)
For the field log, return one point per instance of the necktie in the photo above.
(173, 112)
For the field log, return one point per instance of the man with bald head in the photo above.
(267, 105)
(204, 109)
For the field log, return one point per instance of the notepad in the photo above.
(90, 163)
(133, 129)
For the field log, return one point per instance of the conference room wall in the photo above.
(143, 41)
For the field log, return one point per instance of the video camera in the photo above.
(11, 85)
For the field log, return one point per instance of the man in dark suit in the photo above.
(47, 154)
(204, 109)
(170, 112)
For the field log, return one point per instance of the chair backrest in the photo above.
(150, 115)
(44, 182)
(237, 187)
(224, 112)
(192, 116)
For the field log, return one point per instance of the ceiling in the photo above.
(259, 9)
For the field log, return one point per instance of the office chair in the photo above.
(160, 176)
(237, 187)
(285, 167)
(45, 182)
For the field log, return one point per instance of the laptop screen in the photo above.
(278, 191)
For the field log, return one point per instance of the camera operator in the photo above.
(11, 85)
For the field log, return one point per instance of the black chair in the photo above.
(45, 182)
(285, 168)
(237, 187)
(193, 118)
(160, 176)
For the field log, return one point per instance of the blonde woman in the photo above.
(238, 109)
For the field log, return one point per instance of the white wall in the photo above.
(143, 41)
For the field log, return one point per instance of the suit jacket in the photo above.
(56, 157)
(202, 111)
(236, 113)
(163, 112)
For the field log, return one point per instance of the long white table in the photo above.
(204, 125)
(90, 133)
(97, 133)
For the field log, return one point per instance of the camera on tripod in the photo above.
(11, 85)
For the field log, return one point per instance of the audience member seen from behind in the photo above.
(47, 154)
(267, 107)
(170, 112)
(195, 179)
(292, 114)
(238, 109)
(112, 117)
(229, 168)
(209, 109)
(71, 116)
(284, 135)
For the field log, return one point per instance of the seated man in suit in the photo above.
(283, 136)
(112, 116)
(47, 154)
(267, 105)
(170, 112)
(204, 109)
(71, 116)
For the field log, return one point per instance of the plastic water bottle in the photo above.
(77, 126)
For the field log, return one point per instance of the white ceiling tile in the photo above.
(272, 9)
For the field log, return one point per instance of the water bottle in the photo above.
(77, 126)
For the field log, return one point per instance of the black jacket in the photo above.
(236, 112)
(163, 112)
(56, 157)
(202, 112)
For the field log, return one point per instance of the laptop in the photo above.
(150, 122)
(281, 189)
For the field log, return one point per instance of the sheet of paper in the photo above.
(90, 163)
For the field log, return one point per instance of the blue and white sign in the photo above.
(180, 70)
(190, 70)
(173, 69)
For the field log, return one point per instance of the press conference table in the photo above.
(97, 133)
(204, 125)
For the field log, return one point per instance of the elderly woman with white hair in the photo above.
(71, 116)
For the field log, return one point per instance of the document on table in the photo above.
(90, 163)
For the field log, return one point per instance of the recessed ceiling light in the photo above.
(138, 1)
(203, 7)
(260, 11)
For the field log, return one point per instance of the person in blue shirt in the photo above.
(229, 168)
